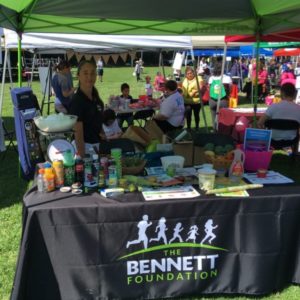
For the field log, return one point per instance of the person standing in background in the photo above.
(191, 97)
(100, 70)
(137, 71)
(218, 89)
(62, 84)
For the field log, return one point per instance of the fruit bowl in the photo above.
(55, 123)
(133, 165)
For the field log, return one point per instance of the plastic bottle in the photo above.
(236, 170)
(101, 178)
(49, 180)
(79, 169)
(112, 173)
(40, 181)
(95, 168)
(69, 168)
(88, 174)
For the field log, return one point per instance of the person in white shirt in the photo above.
(100, 70)
(110, 125)
(286, 109)
(171, 113)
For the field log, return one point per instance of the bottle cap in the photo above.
(47, 165)
(41, 171)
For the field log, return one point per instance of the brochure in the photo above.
(257, 139)
(181, 192)
(271, 178)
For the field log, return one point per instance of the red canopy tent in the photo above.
(287, 52)
(285, 36)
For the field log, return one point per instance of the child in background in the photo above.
(148, 87)
(128, 117)
(110, 125)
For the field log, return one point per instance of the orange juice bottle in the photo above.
(49, 180)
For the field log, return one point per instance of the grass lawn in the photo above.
(12, 188)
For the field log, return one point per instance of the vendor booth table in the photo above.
(229, 116)
(91, 247)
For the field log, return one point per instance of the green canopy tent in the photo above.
(244, 17)
(157, 17)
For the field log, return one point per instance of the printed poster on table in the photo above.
(257, 139)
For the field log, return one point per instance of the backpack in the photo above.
(214, 89)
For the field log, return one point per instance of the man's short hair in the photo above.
(288, 90)
(171, 85)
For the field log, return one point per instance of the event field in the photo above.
(12, 187)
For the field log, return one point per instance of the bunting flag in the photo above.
(88, 56)
(78, 56)
(105, 58)
(115, 57)
(132, 54)
(124, 56)
(96, 57)
(70, 54)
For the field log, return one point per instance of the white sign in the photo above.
(178, 61)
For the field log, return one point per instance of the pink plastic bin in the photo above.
(255, 160)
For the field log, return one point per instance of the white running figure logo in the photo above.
(161, 228)
(192, 233)
(177, 229)
(142, 237)
(209, 231)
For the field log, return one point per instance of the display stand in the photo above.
(46, 79)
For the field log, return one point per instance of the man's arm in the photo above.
(262, 120)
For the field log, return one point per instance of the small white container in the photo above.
(206, 178)
(176, 160)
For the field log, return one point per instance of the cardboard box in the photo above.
(185, 149)
(199, 157)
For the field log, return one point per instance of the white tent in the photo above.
(98, 43)
(87, 43)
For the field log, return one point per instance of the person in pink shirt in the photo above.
(262, 78)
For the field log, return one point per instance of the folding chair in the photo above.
(143, 116)
(283, 124)
(10, 136)
(125, 144)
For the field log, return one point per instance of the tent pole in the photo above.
(3, 80)
(32, 68)
(162, 64)
(199, 90)
(221, 80)
(256, 81)
(9, 70)
(19, 60)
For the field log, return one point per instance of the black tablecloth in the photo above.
(90, 247)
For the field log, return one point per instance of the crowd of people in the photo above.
(180, 100)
